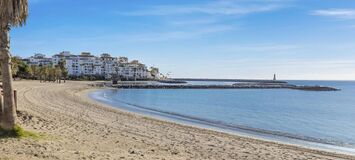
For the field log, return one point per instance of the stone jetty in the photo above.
(240, 85)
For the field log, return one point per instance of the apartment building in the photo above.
(86, 64)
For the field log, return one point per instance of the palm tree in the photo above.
(50, 74)
(41, 73)
(13, 13)
(65, 74)
(35, 71)
(58, 73)
(64, 71)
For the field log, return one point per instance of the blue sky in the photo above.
(296, 39)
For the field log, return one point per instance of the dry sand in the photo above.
(79, 128)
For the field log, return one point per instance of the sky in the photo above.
(248, 39)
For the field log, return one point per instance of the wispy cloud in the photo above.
(222, 7)
(335, 13)
(152, 36)
(192, 22)
(178, 35)
(204, 17)
(259, 48)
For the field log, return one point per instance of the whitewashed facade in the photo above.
(132, 70)
(87, 64)
(39, 60)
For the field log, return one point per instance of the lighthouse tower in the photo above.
(274, 77)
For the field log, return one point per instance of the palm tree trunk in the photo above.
(9, 113)
(1, 108)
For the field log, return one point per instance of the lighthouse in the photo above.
(274, 77)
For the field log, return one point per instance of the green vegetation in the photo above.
(50, 73)
(20, 69)
(19, 132)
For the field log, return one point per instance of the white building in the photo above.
(62, 56)
(39, 60)
(87, 64)
(132, 70)
(154, 73)
(73, 66)
(108, 65)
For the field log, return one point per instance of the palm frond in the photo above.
(13, 12)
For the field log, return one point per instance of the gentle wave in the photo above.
(229, 126)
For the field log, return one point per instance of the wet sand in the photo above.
(76, 127)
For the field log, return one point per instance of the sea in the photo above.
(323, 120)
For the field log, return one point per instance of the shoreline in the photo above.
(238, 130)
(80, 128)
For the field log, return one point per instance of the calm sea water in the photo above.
(320, 117)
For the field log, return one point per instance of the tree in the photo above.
(42, 73)
(13, 13)
(58, 73)
(51, 73)
(64, 71)
(45, 73)
(20, 69)
(27, 71)
(65, 75)
(14, 66)
(35, 71)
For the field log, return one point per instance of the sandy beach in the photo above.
(76, 127)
